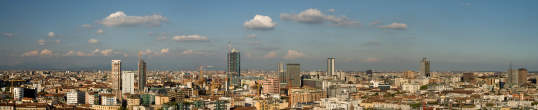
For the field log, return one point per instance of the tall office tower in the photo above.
(294, 75)
(116, 78)
(522, 76)
(141, 74)
(330, 66)
(127, 84)
(425, 67)
(281, 73)
(233, 69)
(513, 78)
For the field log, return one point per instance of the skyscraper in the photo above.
(141, 74)
(425, 67)
(128, 81)
(282, 74)
(294, 75)
(116, 77)
(522, 76)
(330, 66)
(233, 69)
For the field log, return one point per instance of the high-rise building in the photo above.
(425, 67)
(141, 75)
(233, 68)
(128, 81)
(522, 76)
(282, 74)
(294, 75)
(330, 66)
(116, 77)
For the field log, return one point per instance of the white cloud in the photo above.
(99, 31)
(106, 52)
(8, 34)
(188, 52)
(251, 36)
(41, 42)
(396, 26)
(164, 51)
(86, 26)
(314, 16)
(260, 22)
(69, 53)
(93, 41)
(31, 53)
(52, 34)
(372, 59)
(145, 52)
(46, 52)
(271, 54)
(119, 18)
(194, 37)
(292, 54)
(161, 52)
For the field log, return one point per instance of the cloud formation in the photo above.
(120, 19)
(271, 54)
(314, 16)
(52, 34)
(395, 26)
(93, 41)
(162, 52)
(260, 22)
(44, 52)
(193, 37)
(86, 26)
(371, 59)
(41, 42)
(99, 31)
(293, 54)
(8, 34)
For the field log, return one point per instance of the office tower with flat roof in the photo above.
(294, 75)
(116, 77)
(282, 74)
(522, 76)
(330, 66)
(128, 81)
(141, 74)
(425, 67)
(233, 68)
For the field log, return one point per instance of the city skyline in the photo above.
(181, 35)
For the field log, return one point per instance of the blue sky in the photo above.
(457, 35)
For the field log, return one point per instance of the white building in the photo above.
(108, 100)
(336, 104)
(75, 97)
(411, 88)
(18, 93)
(127, 82)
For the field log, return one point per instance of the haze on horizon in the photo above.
(457, 35)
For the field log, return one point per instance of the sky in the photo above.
(383, 35)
